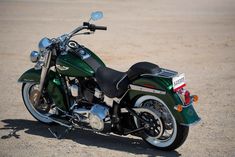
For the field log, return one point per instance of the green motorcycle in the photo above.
(71, 86)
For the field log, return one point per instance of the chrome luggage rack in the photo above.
(165, 73)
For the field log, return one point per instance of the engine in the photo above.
(88, 108)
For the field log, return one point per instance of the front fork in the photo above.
(45, 69)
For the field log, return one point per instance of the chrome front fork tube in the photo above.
(45, 69)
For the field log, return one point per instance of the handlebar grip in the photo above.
(93, 27)
(101, 27)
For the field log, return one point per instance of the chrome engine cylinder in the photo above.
(74, 90)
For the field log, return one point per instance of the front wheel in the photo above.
(40, 111)
(164, 132)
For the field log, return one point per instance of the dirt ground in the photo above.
(194, 37)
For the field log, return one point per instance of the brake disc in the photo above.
(42, 105)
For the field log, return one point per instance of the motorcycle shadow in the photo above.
(84, 137)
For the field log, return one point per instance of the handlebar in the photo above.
(86, 25)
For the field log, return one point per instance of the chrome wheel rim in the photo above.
(161, 111)
(41, 115)
(155, 126)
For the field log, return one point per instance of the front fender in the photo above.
(53, 85)
(187, 117)
(30, 75)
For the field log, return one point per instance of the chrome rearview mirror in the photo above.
(96, 15)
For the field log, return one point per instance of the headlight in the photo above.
(34, 56)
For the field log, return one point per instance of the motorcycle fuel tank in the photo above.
(79, 63)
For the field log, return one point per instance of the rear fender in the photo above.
(53, 85)
(187, 117)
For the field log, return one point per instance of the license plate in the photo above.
(178, 82)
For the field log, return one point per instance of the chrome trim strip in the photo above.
(120, 81)
(192, 124)
(144, 89)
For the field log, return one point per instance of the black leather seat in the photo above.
(113, 83)
(142, 68)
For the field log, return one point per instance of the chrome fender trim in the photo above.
(144, 89)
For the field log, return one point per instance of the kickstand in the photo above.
(60, 136)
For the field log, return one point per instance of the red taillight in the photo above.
(187, 98)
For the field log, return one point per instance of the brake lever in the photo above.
(88, 33)
(84, 33)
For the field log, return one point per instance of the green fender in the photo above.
(187, 117)
(53, 85)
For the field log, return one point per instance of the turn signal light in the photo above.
(195, 98)
(179, 108)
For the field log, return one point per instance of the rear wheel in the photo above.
(40, 111)
(164, 132)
